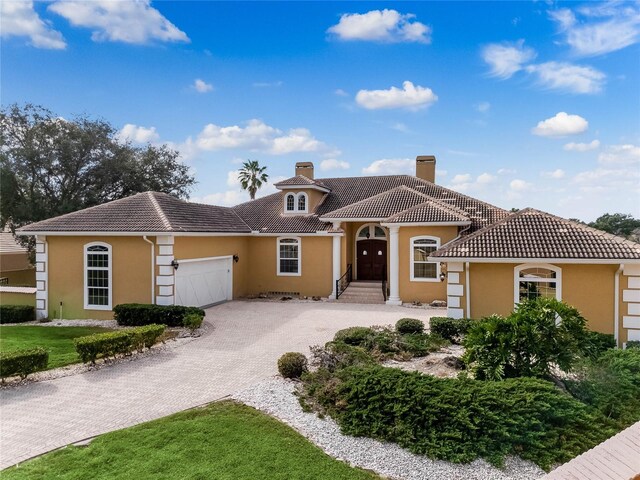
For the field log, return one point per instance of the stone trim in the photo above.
(631, 296)
(455, 290)
(165, 278)
(42, 277)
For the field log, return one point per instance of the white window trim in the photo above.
(372, 232)
(289, 274)
(296, 198)
(109, 270)
(412, 259)
(524, 266)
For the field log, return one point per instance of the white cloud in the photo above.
(485, 179)
(19, 19)
(233, 179)
(483, 107)
(620, 155)
(555, 174)
(410, 96)
(120, 21)
(228, 198)
(267, 84)
(581, 147)
(201, 86)
(561, 125)
(616, 26)
(381, 26)
(341, 93)
(137, 134)
(519, 185)
(391, 166)
(505, 59)
(620, 181)
(297, 140)
(400, 127)
(567, 77)
(333, 164)
(461, 178)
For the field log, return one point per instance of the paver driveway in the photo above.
(240, 349)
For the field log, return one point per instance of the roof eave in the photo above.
(596, 261)
(426, 224)
(302, 187)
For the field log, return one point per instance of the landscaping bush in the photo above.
(633, 344)
(409, 325)
(598, 343)
(353, 335)
(452, 329)
(137, 314)
(336, 355)
(192, 321)
(539, 334)
(23, 362)
(17, 313)
(292, 365)
(110, 344)
(461, 420)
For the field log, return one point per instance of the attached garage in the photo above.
(201, 282)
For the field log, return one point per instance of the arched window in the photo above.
(371, 231)
(289, 256)
(302, 202)
(290, 202)
(537, 280)
(97, 276)
(423, 270)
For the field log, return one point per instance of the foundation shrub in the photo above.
(192, 321)
(23, 362)
(292, 365)
(597, 343)
(633, 344)
(452, 329)
(137, 314)
(356, 336)
(409, 325)
(17, 313)
(460, 420)
(122, 342)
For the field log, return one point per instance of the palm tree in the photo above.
(252, 177)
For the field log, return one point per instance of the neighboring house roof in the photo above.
(617, 458)
(145, 212)
(531, 233)
(8, 244)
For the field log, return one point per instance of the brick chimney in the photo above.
(305, 168)
(426, 168)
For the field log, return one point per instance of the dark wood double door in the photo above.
(372, 259)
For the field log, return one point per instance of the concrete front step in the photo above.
(363, 292)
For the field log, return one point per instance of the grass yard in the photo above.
(225, 440)
(58, 340)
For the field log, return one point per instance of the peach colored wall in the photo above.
(13, 298)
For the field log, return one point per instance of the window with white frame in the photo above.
(534, 281)
(302, 202)
(290, 202)
(296, 203)
(423, 270)
(289, 256)
(371, 231)
(97, 276)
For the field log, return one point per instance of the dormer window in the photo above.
(296, 203)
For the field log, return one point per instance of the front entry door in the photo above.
(372, 259)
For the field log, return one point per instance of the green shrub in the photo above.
(633, 344)
(336, 355)
(611, 384)
(17, 313)
(136, 314)
(538, 334)
(409, 325)
(23, 362)
(461, 420)
(192, 321)
(598, 343)
(122, 342)
(452, 329)
(292, 365)
(353, 335)
(421, 344)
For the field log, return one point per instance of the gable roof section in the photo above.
(301, 181)
(380, 206)
(431, 211)
(531, 233)
(145, 212)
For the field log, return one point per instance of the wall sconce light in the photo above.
(443, 272)
(368, 235)
(175, 264)
(236, 258)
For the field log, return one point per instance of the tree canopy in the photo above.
(50, 166)
(622, 224)
(252, 176)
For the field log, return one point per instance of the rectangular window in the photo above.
(288, 256)
(421, 267)
(98, 277)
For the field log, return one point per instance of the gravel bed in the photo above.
(276, 398)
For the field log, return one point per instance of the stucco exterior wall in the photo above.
(313, 196)
(131, 272)
(14, 298)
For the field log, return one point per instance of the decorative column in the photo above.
(42, 277)
(337, 240)
(394, 267)
(455, 290)
(631, 302)
(165, 280)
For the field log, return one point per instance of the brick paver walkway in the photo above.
(240, 349)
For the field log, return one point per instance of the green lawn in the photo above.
(222, 441)
(58, 340)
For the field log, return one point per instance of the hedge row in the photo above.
(452, 329)
(110, 344)
(17, 313)
(136, 314)
(23, 362)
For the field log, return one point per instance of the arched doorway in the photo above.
(371, 252)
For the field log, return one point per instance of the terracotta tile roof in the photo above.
(145, 212)
(617, 458)
(300, 180)
(382, 205)
(531, 233)
(431, 211)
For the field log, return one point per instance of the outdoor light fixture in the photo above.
(236, 258)
(175, 264)
(443, 273)
(368, 235)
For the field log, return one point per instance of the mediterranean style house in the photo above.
(416, 240)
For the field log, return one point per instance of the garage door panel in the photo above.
(205, 282)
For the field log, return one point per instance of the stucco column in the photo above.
(337, 240)
(394, 267)
(42, 277)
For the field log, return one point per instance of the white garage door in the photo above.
(203, 282)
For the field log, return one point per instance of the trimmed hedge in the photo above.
(192, 321)
(355, 336)
(17, 313)
(292, 365)
(635, 344)
(137, 314)
(452, 329)
(110, 344)
(23, 362)
(409, 325)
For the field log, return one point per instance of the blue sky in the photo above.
(523, 104)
